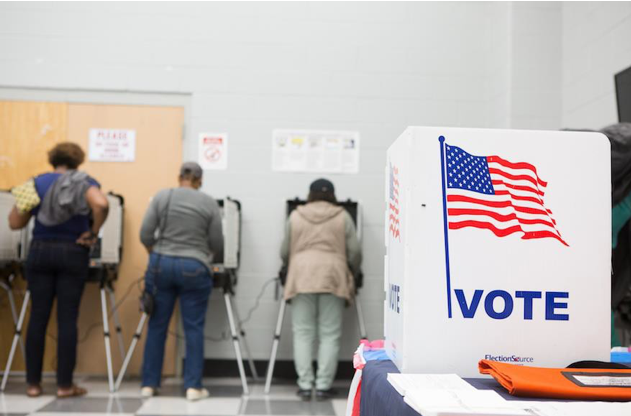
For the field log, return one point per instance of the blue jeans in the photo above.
(168, 278)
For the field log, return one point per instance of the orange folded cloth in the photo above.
(560, 383)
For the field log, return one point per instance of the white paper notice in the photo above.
(315, 151)
(213, 151)
(109, 145)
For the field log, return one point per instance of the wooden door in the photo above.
(27, 131)
(156, 166)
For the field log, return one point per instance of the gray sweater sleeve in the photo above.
(215, 234)
(353, 248)
(150, 224)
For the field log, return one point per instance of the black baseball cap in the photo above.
(322, 185)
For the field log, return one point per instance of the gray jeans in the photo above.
(316, 316)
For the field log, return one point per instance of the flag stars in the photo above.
(467, 172)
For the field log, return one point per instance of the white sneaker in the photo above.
(196, 394)
(147, 392)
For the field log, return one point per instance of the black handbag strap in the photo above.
(163, 225)
(162, 229)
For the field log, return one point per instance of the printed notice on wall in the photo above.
(213, 151)
(109, 145)
(315, 151)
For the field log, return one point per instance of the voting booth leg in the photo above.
(16, 340)
(106, 336)
(272, 358)
(360, 318)
(246, 346)
(130, 352)
(14, 314)
(15, 318)
(117, 324)
(255, 374)
(235, 342)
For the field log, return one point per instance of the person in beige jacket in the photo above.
(322, 253)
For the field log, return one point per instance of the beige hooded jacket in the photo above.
(322, 250)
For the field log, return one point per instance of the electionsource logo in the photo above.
(509, 358)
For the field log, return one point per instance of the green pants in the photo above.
(316, 316)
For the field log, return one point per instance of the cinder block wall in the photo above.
(252, 67)
(596, 45)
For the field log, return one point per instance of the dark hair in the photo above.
(321, 196)
(66, 154)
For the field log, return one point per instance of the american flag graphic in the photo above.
(393, 205)
(491, 193)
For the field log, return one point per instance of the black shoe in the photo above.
(304, 394)
(322, 395)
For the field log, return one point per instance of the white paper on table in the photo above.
(461, 403)
(405, 382)
(575, 408)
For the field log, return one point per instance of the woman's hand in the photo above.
(87, 239)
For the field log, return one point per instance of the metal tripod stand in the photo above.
(18, 321)
(9, 274)
(224, 279)
(107, 275)
(277, 333)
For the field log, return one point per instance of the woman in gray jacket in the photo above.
(188, 223)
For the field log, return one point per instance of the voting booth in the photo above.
(10, 240)
(498, 247)
(108, 249)
(225, 278)
(13, 245)
(105, 258)
(231, 226)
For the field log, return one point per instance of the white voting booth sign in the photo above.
(9, 239)
(498, 247)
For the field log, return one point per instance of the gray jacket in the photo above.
(190, 222)
(65, 199)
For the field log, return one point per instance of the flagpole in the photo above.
(441, 139)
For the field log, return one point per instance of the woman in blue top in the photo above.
(67, 221)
